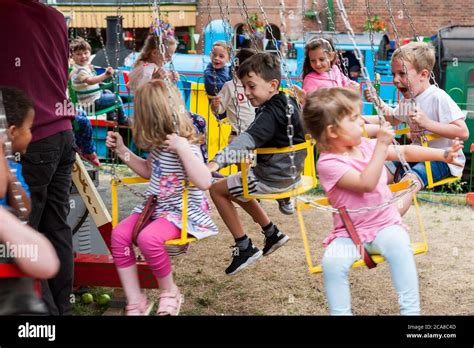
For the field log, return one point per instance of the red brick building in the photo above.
(427, 15)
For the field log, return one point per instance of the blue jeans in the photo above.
(106, 100)
(83, 133)
(439, 170)
(394, 244)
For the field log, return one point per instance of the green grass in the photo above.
(93, 308)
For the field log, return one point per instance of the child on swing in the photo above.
(172, 159)
(260, 76)
(17, 295)
(351, 171)
(240, 112)
(320, 69)
(84, 78)
(435, 112)
(150, 65)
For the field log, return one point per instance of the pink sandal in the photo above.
(143, 307)
(170, 303)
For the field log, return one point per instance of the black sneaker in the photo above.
(276, 240)
(243, 258)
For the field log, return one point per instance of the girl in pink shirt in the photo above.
(351, 171)
(320, 68)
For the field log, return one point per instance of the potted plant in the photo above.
(374, 23)
(257, 26)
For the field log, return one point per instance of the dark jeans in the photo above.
(106, 100)
(47, 167)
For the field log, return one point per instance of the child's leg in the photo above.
(439, 170)
(151, 241)
(223, 201)
(337, 261)
(394, 244)
(124, 258)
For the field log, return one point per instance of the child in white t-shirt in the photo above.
(431, 111)
(238, 109)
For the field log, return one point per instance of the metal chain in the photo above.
(285, 69)
(317, 16)
(235, 101)
(162, 49)
(366, 77)
(98, 32)
(244, 13)
(341, 62)
(84, 29)
(289, 107)
(405, 71)
(303, 14)
(22, 212)
(154, 15)
(134, 34)
(415, 32)
(398, 196)
(371, 36)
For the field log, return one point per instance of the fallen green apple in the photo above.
(103, 299)
(87, 298)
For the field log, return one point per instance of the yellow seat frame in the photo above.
(184, 239)
(418, 247)
(307, 183)
(429, 174)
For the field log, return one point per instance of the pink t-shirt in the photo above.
(332, 78)
(331, 168)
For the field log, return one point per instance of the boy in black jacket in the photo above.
(260, 76)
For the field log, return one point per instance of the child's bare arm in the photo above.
(367, 180)
(139, 165)
(215, 104)
(387, 111)
(97, 79)
(42, 262)
(197, 171)
(455, 129)
(415, 153)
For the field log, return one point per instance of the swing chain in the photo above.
(289, 107)
(98, 32)
(228, 34)
(157, 32)
(22, 212)
(415, 32)
(317, 16)
(244, 12)
(366, 77)
(371, 36)
(398, 196)
(402, 55)
(134, 39)
(341, 62)
(405, 71)
(286, 72)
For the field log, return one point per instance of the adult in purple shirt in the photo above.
(34, 59)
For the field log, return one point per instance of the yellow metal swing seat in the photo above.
(301, 204)
(308, 178)
(425, 140)
(171, 244)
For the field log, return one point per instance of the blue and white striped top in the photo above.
(167, 174)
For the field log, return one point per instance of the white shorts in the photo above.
(256, 187)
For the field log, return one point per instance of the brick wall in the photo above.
(428, 15)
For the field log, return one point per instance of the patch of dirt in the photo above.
(280, 284)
